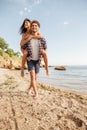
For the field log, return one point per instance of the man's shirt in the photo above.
(35, 47)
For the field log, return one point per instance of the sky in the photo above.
(63, 24)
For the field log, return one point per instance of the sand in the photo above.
(54, 109)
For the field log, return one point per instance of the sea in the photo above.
(74, 78)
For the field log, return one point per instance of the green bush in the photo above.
(3, 44)
(10, 52)
(4, 49)
(1, 52)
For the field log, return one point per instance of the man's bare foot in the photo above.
(36, 96)
(29, 90)
(22, 73)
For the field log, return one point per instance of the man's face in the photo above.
(34, 27)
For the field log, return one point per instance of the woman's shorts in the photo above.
(34, 65)
(24, 46)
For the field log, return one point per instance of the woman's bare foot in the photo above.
(22, 73)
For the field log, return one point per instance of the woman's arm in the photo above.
(25, 40)
(29, 37)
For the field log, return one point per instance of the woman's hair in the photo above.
(22, 28)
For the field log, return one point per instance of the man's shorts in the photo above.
(34, 65)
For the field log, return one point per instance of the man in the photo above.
(36, 48)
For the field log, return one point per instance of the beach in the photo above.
(54, 109)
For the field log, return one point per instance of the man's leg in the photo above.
(29, 89)
(33, 82)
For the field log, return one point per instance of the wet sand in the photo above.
(54, 109)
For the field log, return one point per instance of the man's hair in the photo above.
(35, 21)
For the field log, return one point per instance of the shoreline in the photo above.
(73, 79)
(43, 84)
(54, 109)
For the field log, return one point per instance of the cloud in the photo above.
(25, 1)
(18, 1)
(28, 9)
(25, 10)
(21, 13)
(66, 23)
(37, 1)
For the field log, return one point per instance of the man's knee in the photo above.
(32, 76)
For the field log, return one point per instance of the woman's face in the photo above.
(27, 24)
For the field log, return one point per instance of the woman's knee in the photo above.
(44, 54)
(25, 53)
(43, 51)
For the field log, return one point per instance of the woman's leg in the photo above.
(24, 58)
(44, 54)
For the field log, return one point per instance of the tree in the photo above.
(10, 52)
(18, 54)
(3, 44)
(4, 48)
(1, 52)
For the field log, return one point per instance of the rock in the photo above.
(17, 68)
(42, 65)
(11, 66)
(60, 68)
